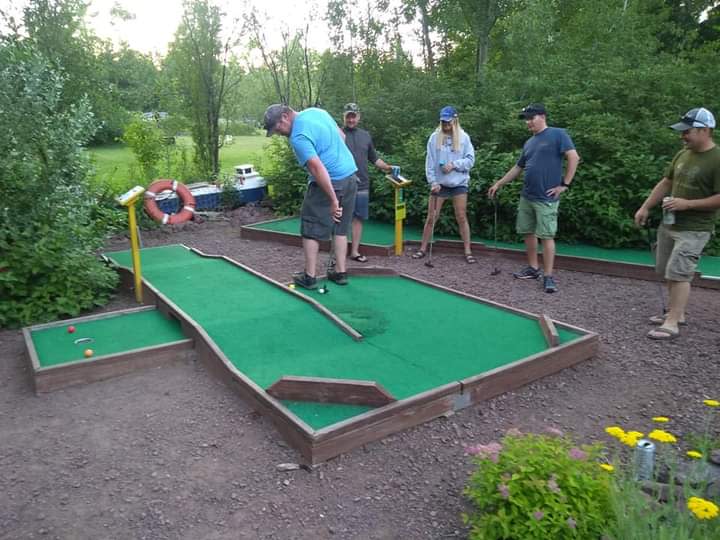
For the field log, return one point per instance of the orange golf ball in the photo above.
(88, 353)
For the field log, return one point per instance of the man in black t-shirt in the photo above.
(361, 147)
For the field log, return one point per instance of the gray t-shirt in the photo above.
(361, 147)
(542, 159)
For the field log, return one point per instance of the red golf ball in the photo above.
(71, 329)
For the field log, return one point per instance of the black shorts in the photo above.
(316, 221)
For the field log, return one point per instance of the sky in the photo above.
(156, 21)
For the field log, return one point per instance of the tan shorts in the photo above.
(538, 218)
(678, 252)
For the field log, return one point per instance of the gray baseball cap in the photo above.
(272, 117)
(695, 118)
(351, 108)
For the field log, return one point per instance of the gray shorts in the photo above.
(362, 205)
(678, 252)
(316, 222)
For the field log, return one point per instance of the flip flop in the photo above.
(660, 319)
(662, 334)
(359, 258)
(470, 259)
(419, 254)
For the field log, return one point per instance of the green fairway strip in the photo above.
(110, 335)
(416, 337)
(383, 234)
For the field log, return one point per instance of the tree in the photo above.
(198, 61)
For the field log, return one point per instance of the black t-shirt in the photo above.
(361, 147)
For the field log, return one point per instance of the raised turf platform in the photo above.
(338, 370)
(378, 240)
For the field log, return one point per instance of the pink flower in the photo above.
(554, 431)
(485, 451)
(577, 454)
(504, 491)
(538, 515)
(571, 523)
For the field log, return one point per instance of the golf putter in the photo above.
(331, 256)
(429, 262)
(496, 270)
(660, 286)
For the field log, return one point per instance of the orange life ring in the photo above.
(186, 200)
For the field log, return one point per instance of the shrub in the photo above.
(537, 486)
(50, 229)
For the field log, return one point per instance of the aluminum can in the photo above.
(668, 215)
(644, 459)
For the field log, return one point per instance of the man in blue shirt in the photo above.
(319, 146)
(542, 161)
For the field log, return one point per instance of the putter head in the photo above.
(429, 264)
(495, 272)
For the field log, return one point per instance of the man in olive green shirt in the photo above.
(692, 185)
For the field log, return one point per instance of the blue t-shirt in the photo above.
(315, 133)
(542, 160)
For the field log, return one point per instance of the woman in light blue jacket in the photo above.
(450, 156)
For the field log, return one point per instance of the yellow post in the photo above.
(129, 199)
(399, 182)
(135, 250)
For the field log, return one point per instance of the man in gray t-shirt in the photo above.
(542, 161)
(361, 147)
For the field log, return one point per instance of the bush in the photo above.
(284, 176)
(537, 487)
(50, 229)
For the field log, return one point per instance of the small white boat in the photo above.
(248, 186)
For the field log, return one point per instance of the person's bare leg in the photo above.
(531, 250)
(310, 250)
(340, 253)
(357, 227)
(460, 207)
(679, 296)
(428, 228)
(548, 255)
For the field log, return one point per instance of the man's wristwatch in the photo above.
(563, 184)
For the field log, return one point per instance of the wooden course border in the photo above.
(51, 378)
(316, 446)
(563, 262)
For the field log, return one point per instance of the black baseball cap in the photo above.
(272, 117)
(531, 110)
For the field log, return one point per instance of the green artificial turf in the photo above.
(416, 337)
(383, 234)
(112, 334)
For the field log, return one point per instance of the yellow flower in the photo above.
(694, 454)
(607, 467)
(703, 509)
(631, 438)
(662, 436)
(711, 402)
(660, 419)
(615, 431)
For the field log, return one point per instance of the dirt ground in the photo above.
(173, 453)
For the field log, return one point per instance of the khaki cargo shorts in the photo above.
(538, 218)
(677, 253)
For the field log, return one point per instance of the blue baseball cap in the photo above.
(448, 113)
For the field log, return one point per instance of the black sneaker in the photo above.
(549, 284)
(527, 273)
(301, 279)
(338, 277)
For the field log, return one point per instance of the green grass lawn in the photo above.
(113, 162)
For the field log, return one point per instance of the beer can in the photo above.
(644, 459)
(668, 215)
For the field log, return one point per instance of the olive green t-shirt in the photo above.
(695, 175)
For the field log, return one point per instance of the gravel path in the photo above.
(173, 453)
